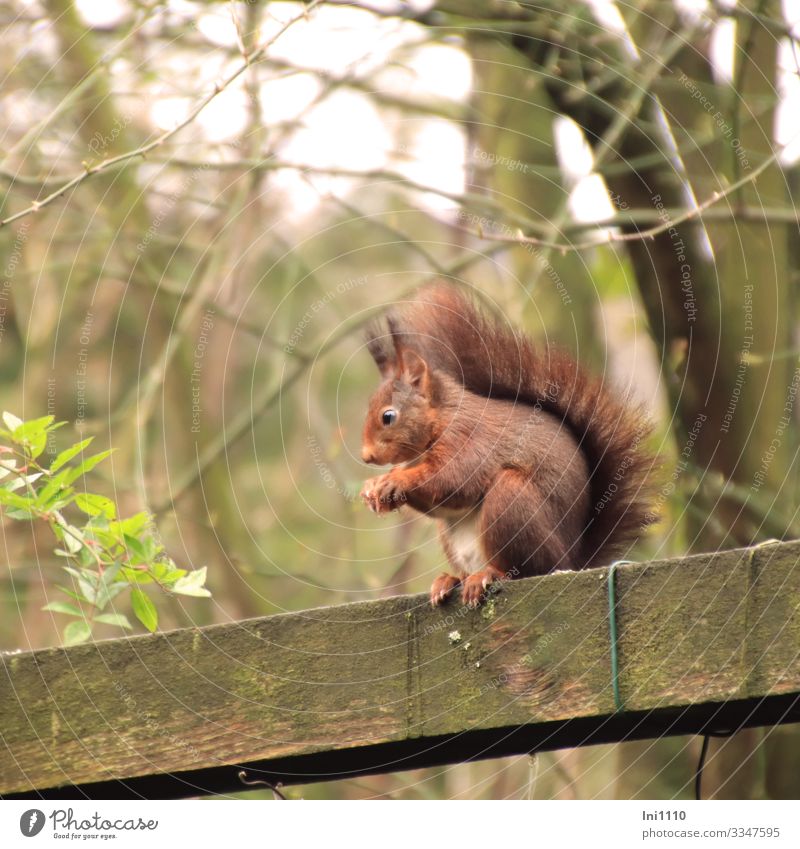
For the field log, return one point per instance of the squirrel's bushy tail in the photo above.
(492, 359)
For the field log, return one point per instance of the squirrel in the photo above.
(528, 463)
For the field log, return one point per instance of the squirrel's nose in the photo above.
(367, 456)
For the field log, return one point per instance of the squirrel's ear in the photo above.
(410, 366)
(415, 372)
(378, 347)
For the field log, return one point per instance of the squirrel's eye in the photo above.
(389, 417)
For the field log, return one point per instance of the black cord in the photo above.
(276, 793)
(698, 775)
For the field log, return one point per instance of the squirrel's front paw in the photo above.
(382, 494)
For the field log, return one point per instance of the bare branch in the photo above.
(652, 232)
(141, 152)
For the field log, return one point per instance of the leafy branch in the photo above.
(103, 555)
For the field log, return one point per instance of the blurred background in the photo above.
(203, 203)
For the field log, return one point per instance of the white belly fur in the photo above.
(462, 533)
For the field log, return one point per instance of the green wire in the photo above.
(612, 624)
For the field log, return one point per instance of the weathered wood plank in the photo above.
(391, 684)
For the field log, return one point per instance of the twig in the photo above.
(650, 233)
(399, 235)
(141, 152)
(65, 103)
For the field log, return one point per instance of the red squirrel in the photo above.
(528, 463)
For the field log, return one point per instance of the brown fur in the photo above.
(515, 445)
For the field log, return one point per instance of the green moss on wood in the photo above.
(706, 628)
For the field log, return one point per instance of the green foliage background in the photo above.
(158, 297)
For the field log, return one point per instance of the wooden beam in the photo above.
(706, 642)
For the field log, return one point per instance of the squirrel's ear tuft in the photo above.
(411, 367)
(398, 341)
(415, 372)
(379, 348)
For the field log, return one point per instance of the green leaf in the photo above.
(22, 515)
(192, 584)
(105, 594)
(87, 465)
(11, 421)
(135, 548)
(68, 453)
(99, 522)
(172, 575)
(77, 632)
(86, 558)
(111, 584)
(13, 500)
(110, 575)
(32, 426)
(63, 607)
(33, 434)
(96, 505)
(151, 548)
(87, 582)
(144, 609)
(89, 592)
(55, 490)
(118, 619)
(137, 576)
(73, 539)
(70, 593)
(106, 538)
(135, 524)
(166, 572)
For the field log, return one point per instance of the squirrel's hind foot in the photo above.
(474, 588)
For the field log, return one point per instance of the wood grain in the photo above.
(392, 684)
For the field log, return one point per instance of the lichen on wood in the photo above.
(707, 629)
